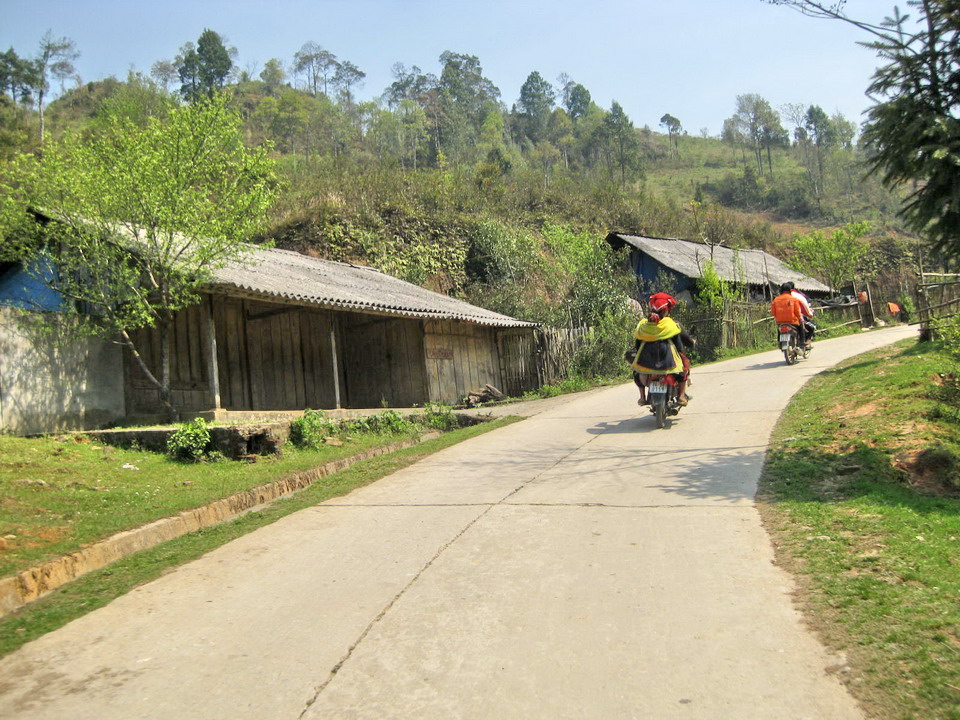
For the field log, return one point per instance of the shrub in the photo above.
(601, 354)
(386, 422)
(309, 430)
(190, 441)
(439, 417)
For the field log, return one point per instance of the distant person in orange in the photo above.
(788, 310)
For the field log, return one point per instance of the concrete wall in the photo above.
(56, 384)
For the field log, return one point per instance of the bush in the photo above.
(190, 442)
(309, 430)
(439, 417)
(601, 354)
(948, 330)
(386, 422)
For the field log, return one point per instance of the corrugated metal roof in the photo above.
(300, 278)
(755, 267)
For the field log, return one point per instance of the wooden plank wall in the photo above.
(460, 357)
(383, 359)
(189, 381)
(274, 357)
(518, 358)
(270, 357)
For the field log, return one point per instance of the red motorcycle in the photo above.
(663, 394)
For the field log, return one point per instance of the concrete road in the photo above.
(579, 564)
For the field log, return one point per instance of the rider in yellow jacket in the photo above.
(659, 347)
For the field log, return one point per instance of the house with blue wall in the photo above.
(683, 262)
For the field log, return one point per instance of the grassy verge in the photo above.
(862, 497)
(100, 587)
(63, 492)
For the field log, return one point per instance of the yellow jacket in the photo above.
(657, 355)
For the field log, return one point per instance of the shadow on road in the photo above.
(767, 365)
(641, 424)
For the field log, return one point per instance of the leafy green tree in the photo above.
(284, 118)
(273, 75)
(819, 132)
(17, 76)
(464, 99)
(345, 78)
(317, 64)
(203, 68)
(755, 126)
(673, 128)
(577, 101)
(621, 142)
(535, 107)
(772, 132)
(834, 259)
(412, 84)
(911, 132)
(142, 215)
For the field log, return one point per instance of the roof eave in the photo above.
(368, 309)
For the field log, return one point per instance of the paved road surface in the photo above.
(579, 564)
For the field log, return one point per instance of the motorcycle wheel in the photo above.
(660, 412)
(790, 355)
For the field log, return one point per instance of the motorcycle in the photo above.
(790, 344)
(663, 394)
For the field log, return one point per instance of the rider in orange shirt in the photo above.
(788, 310)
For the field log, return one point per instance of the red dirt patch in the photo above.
(868, 409)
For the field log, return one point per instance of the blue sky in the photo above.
(689, 58)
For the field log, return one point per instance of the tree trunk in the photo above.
(40, 112)
(166, 395)
(138, 358)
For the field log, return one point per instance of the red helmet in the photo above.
(661, 302)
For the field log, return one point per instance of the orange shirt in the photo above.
(787, 309)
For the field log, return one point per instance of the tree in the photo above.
(55, 58)
(346, 76)
(18, 76)
(273, 75)
(535, 106)
(673, 128)
(164, 73)
(410, 84)
(578, 102)
(464, 98)
(621, 141)
(755, 125)
(819, 132)
(911, 132)
(834, 259)
(317, 64)
(203, 68)
(142, 215)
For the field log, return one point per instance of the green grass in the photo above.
(98, 588)
(61, 493)
(871, 524)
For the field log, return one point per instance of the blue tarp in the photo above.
(23, 288)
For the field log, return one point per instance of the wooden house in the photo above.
(683, 262)
(284, 331)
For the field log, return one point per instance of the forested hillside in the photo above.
(499, 196)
